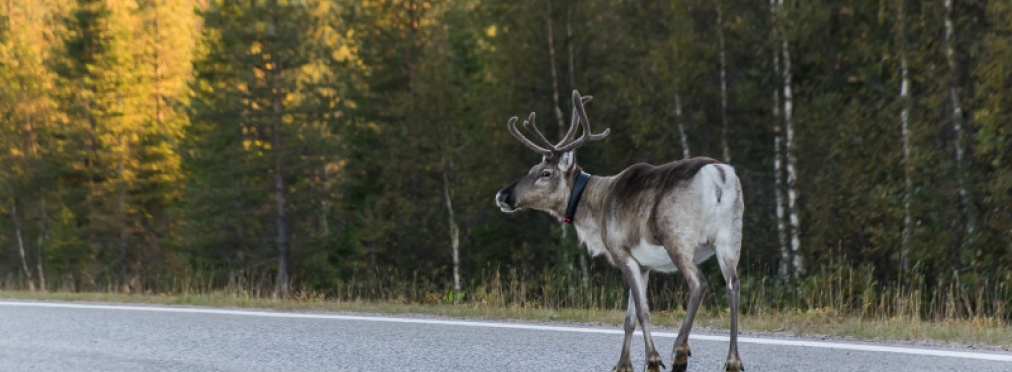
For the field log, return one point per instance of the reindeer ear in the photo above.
(567, 160)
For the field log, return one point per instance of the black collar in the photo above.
(574, 197)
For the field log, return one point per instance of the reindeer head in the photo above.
(548, 185)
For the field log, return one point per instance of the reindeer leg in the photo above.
(733, 363)
(653, 358)
(727, 257)
(624, 364)
(637, 279)
(697, 287)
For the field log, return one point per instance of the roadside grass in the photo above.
(979, 332)
(834, 301)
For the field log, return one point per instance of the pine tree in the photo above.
(165, 46)
(249, 123)
(993, 142)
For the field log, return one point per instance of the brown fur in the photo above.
(649, 184)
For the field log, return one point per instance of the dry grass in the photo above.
(984, 333)
(836, 301)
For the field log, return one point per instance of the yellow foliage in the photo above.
(343, 53)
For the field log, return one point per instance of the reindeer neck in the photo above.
(579, 184)
(590, 206)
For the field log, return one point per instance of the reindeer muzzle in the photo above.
(506, 199)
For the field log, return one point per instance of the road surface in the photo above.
(81, 337)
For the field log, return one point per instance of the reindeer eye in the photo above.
(546, 174)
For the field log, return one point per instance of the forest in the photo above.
(352, 149)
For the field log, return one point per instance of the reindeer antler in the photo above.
(567, 143)
(538, 136)
(587, 135)
(512, 125)
(573, 123)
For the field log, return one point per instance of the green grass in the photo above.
(986, 333)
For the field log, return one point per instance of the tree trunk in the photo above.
(32, 140)
(585, 274)
(280, 198)
(157, 68)
(908, 185)
(555, 74)
(778, 171)
(121, 215)
(723, 86)
(792, 161)
(555, 93)
(966, 200)
(323, 228)
(454, 235)
(91, 165)
(40, 261)
(681, 126)
(569, 44)
(324, 224)
(21, 244)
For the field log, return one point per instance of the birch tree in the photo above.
(21, 244)
(723, 85)
(797, 264)
(585, 275)
(454, 234)
(676, 86)
(778, 177)
(969, 213)
(904, 101)
(550, 35)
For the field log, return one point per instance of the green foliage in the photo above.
(452, 297)
(147, 143)
(258, 146)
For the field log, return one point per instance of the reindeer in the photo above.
(663, 218)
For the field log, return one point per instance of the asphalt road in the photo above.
(79, 337)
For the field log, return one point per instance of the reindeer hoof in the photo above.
(733, 366)
(623, 367)
(680, 358)
(655, 363)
